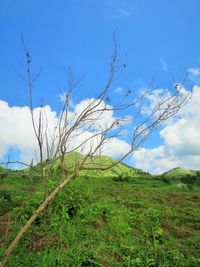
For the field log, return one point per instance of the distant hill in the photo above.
(178, 172)
(75, 158)
(97, 161)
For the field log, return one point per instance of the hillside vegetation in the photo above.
(119, 217)
(177, 172)
(120, 169)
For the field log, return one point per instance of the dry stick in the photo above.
(31, 220)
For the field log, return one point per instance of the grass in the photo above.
(75, 158)
(177, 172)
(98, 220)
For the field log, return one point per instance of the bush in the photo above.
(121, 178)
(191, 179)
(165, 179)
(6, 202)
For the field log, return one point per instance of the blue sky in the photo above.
(154, 38)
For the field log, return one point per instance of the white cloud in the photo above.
(100, 120)
(181, 137)
(116, 148)
(17, 130)
(154, 160)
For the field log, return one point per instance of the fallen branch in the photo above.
(24, 229)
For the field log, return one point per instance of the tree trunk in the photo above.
(31, 220)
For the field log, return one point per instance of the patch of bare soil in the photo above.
(4, 225)
(46, 241)
(4, 187)
(178, 231)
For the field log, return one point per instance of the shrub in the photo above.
(121, 178)
(5, 201)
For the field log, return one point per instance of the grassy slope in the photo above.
(73, 158)
(96, 221)
(177, 172)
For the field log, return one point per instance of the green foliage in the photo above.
(191, 179)
(121, 178)
(118, 220)
(183, 178)
(6, 202)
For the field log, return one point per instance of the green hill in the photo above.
(178, 172)
(73, 159)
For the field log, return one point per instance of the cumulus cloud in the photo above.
(116, 148)
(154, 160)
(181, 137)
(102, 116)
(17, 130)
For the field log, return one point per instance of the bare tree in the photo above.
(39, 124)
(67, 136)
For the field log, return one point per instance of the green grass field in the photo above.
(102, 219)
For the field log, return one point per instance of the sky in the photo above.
(155, 40)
